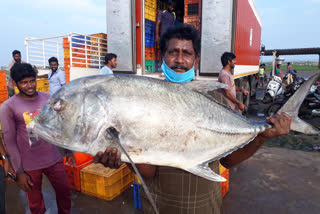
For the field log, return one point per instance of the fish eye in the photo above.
(59, 105)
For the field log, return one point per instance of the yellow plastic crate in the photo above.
(150, 14)
(105, 183)
(42, 83)
(16, 90)
(151, 4)
(66, 53)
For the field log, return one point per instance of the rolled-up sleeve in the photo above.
(9, 131)
(62, 78)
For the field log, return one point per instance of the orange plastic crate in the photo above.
(82, 160)
(65, 43)
(225, 185)
(105, 183)
(150, 53)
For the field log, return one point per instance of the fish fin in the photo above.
(291, 107)
(301, 126)
(208, 88)
(203, 86)
(113, 134)
(204, 171)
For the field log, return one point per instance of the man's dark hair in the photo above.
(16, 52)
(109, 57)
(53, 59)
(20, 71)
(226, 57)
(182, 32)
(171, 3)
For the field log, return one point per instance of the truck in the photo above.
(224, 25)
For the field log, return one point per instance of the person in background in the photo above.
(4, 169)
(290, 74)
(165, 19)
(261, 75)
(56, 76)
(228, 61)
(31, 161)
(110, 61)
(16, 59)
(173, 188)
(179, 18)
(278, 71)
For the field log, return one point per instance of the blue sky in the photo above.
(285, 23)
(290, 24)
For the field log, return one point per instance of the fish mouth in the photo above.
(50, 136)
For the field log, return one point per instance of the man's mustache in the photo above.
(179, 67)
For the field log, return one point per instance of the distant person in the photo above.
(110, 61)
(288, 65)
(278, 71)
(261, 75)
(56, 76)
(228, 61)
(290, 74)
(165, 19)
(30, 162)
(16, 59)
(179, 18)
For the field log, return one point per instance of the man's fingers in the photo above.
(97, 157)
(30, 183)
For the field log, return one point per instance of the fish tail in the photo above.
(291, 107)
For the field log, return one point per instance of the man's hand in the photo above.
(109, 158)
(7, 168)
(281, 126)
(70, 159)
(24, 181)
(245, 92)
(241, 106)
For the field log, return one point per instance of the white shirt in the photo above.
(105, 70)
(56, 80)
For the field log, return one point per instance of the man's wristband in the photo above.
(6, 156)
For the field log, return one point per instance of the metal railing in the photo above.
(72, 50)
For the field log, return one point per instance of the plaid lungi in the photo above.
(179, 192)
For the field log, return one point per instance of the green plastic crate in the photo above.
(150, 66)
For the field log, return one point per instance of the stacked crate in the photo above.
(78, 52)
(66, 47)
(99, 49)
(224, 185)
(105, 183)
(3, 87)
(43, 85)
(82, 160)
(192, 13)
(150, 14)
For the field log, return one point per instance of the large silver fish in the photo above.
(158, 122)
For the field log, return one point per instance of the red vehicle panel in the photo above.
(247, 52)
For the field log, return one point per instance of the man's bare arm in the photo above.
(281, 126)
